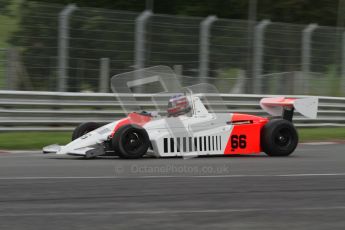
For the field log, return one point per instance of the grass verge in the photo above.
(321, 134)
(37, 140)
(32, 140)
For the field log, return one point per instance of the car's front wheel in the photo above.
(279, 138)
(84, 128)
(131, 141)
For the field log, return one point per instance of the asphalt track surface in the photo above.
(303, 191)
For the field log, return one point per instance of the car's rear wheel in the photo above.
(279, 138)
(84, 128)
(131, 141)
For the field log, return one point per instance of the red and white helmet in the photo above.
(178, 105)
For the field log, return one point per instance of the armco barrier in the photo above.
(26, 110)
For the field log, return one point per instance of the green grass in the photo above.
(32, 140)
(37, 140)
(321, 134)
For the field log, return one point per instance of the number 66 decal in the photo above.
(238, 142)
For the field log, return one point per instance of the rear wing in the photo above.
(282, 106)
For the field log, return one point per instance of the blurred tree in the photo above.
(4, 6)
(37, 33)
(299, 11)
(295, 11)
(36, 39)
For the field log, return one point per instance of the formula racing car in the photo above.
(191, 121)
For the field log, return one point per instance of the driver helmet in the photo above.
(178, 105)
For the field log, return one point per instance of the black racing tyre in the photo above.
(130, 141)
(279, 138)
(84, 128)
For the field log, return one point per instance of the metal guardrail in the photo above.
(28, 110)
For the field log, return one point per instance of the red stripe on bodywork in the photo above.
(246, 130)
(132, 118)
(280, 101)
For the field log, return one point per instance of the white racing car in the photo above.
(183, 125)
